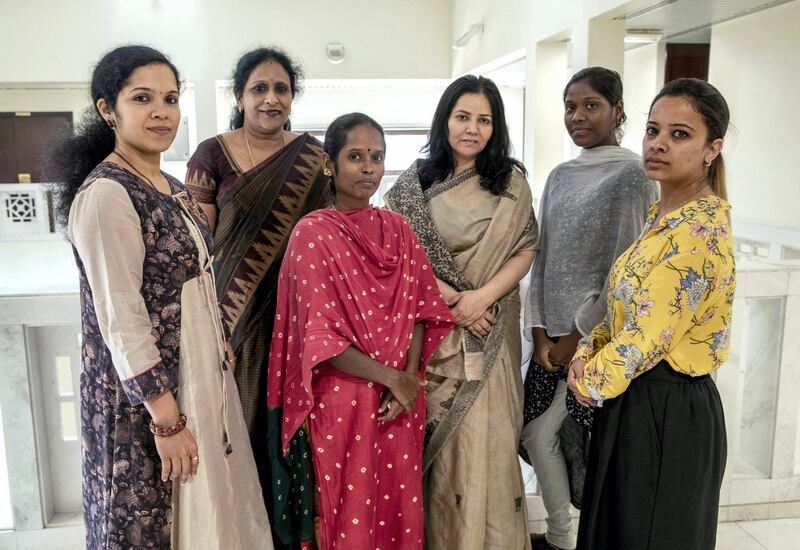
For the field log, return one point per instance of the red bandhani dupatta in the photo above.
(337, 288)
(357, 278)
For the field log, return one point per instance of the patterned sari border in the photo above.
(446, 185)
(229, 155)
(407, 198)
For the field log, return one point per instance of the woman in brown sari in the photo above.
(472, 209)
(254, 183)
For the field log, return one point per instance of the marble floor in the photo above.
(773, 534)
(770, 534)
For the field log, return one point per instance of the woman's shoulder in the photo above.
(518, 184)
(309, 139)
(313, 223)
(706, 224)
(212, 144)
(107, 174)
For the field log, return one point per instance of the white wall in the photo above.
(754, 64)
(505, 30)
(59, 41)
(640, 84)
(73, 99)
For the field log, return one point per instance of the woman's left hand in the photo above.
(484, 325)
(563, 350)
(575, 375)
(470, 307)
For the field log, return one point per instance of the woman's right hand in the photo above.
(405, 389)
(542, 345)
(178, 453)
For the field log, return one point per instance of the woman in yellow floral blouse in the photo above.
(658, 446)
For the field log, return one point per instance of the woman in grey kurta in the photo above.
(592, 209)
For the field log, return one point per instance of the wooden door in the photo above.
(24, 138)
(686, 61)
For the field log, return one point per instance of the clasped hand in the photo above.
(400, 396)
(471, 310)
(575, 375)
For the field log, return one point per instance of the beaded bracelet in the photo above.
(155, 429)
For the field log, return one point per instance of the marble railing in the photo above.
(760, 389)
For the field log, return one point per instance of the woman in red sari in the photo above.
(359, 315)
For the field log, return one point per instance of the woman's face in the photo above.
(675, 147)
(266, 98)
(147, 114)
(589, 117)
(469, 127)
(359, 166)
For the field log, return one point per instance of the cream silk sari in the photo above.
(474, 494)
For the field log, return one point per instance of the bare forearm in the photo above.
(356, 363)
(447, 291)
(414, 352)
(508, 276)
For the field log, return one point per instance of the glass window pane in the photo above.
(64, 375)
(69, 425)
(403, 149)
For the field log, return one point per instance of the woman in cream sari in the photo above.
(470, 205)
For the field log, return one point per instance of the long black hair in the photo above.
(711, 105)
(494, 164)
(245, 66)
(338, 130)
(69, 161)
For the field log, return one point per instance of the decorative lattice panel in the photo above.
(24, 212)
(20, 207)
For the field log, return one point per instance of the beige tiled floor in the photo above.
(770, 534)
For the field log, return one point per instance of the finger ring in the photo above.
(195, 458)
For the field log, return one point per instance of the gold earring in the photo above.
(327, 172)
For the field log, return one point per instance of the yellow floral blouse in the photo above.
(670, 297)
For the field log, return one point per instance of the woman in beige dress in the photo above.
(471, 207)
(165, 454)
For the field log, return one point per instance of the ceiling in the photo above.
(673, 18)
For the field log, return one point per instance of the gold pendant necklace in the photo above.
(250, 150)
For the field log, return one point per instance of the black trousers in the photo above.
(656, 460)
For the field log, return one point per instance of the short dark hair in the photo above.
(252, 59)
(494, 164)
(71, 160)
(339, 129)
(605, 82)
(711, 105)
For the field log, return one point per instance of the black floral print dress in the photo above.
(125, 502)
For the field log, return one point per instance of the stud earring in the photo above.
(327, 172)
